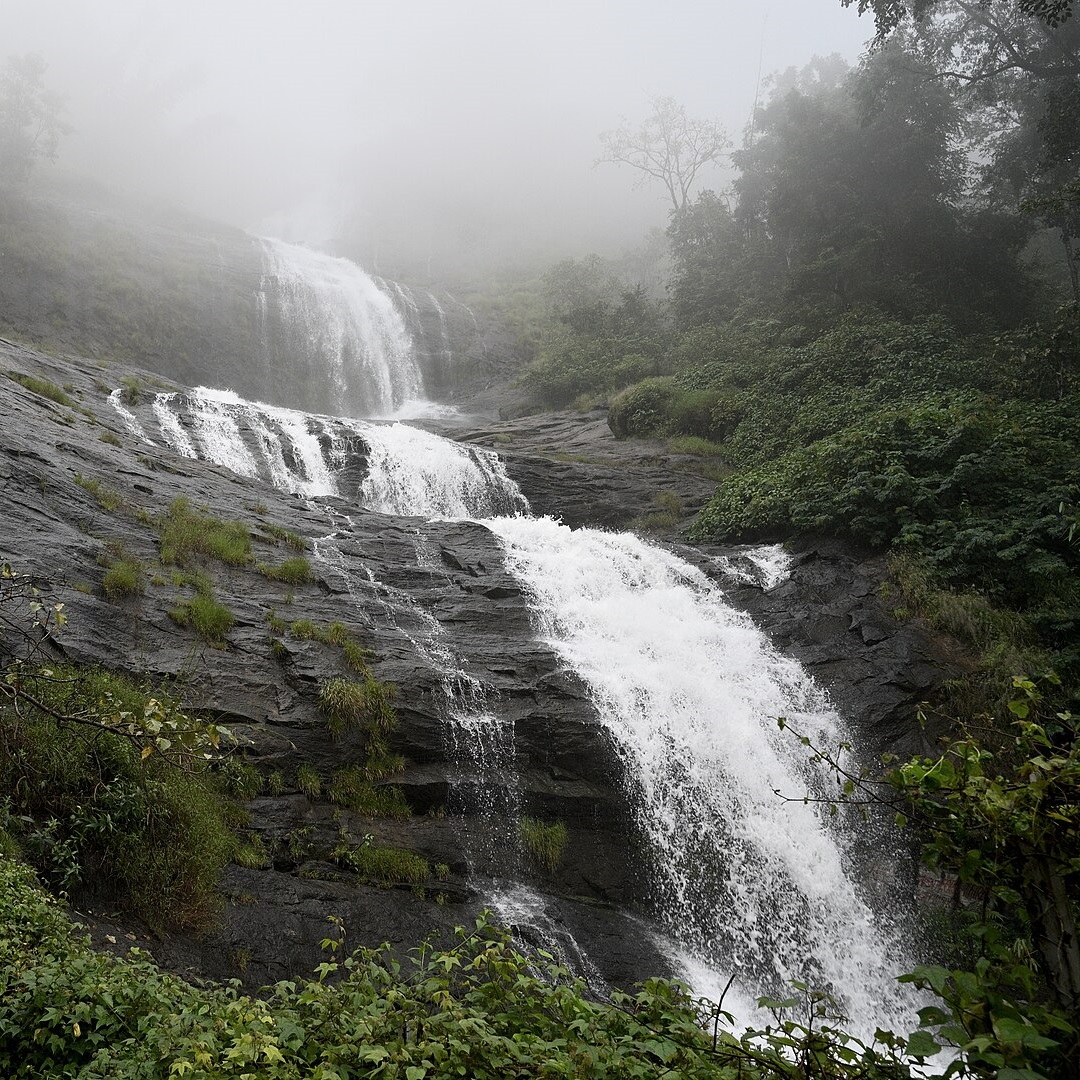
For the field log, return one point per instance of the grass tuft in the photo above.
(42, 387)
(543, 842)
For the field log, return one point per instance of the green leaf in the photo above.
(922, 1044)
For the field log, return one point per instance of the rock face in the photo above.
(491, 725)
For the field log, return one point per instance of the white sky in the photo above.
(404, 110)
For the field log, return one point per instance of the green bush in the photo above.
(125, 577)
(97, 818)
(643, 408)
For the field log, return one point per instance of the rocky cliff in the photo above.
(446, 624)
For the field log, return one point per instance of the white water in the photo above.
(351, 325)
(410, 471)
(689, 690)
(413, 472)
(131, 421)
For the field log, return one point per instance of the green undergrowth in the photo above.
(999, 642)
(98, 815)
(352, 788)
(475, 1008)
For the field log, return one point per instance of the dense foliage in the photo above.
(873, 328)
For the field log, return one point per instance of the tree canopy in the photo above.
(31, 117)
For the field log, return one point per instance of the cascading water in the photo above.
(745, 881)
(332, 318)
(408, 472)
(688, 688)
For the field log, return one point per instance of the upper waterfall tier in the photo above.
(329, 317)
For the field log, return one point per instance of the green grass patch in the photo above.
(349, 787)
(206, 616)
(305, 630)
(110, 438)
(543, 842)
(293, 540)
(187, 534)
(383, 865)
(308, 780)
(696, 445)
(347, 704)
(296, 571)
(107, 498)
(42, 387)
(130, 390)
(124, 578)
(250, 852)
(356, 656)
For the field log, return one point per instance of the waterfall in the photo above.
(749, 883)
(744, 881)
(405, 470)
(335, 322)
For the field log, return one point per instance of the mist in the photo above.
(423, 135)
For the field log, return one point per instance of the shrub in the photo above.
(544, 842)
(99, 818)
(642, 409)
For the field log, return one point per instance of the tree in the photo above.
(889, 14)
(30, 117)
(1014, 69)
(670, 148)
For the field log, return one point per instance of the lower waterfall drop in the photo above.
(747, 881)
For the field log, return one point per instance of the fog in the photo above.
(414, 132)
